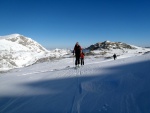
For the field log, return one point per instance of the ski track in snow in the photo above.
(70, 67)
(89, 87)
(66, 68)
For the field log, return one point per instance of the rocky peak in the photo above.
(110, 45)
(26, 42)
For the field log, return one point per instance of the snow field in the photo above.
(120, 86)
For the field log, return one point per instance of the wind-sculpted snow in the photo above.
(100, 86)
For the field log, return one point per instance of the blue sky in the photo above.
(61, 23)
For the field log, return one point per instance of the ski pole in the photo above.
(73, 60)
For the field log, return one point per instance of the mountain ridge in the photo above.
(29, 43)
(18, 51)
(110, 45)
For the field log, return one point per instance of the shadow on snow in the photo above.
(126, 89)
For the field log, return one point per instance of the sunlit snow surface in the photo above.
(18, 51)
(100, 86)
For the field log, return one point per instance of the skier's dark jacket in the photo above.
(77, 50)
(114, 55)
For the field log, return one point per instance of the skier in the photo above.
(115, 56)
(82, 58)
(77, 52)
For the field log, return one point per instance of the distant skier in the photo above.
(115, 56)
(82, 58)
(77, 52)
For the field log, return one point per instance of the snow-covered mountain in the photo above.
(110, 45)
(107, 49)
(17, 42)
(18, 51)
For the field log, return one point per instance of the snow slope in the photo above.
(17, 42)
(18, 51)
(100, 86)
(107, 49)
